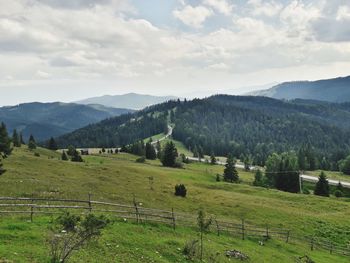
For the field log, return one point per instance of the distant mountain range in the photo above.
(44, 120)
(332, 90)
(130, 100)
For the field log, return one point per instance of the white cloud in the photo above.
(265, 8)
(193, 16)
(221, 6)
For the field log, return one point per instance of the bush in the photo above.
(190, 249)
(306, 190)
(218, 177)
(142, 159)
(338, 193)
(37, 154)
(68, 221)
(180, 190)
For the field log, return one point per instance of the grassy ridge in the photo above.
(117, 177)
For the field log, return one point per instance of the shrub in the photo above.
(141, 159)
(37, 154)
(180, 190)
(190, 249)
(306, 190)
(338, 193)
(218, 177)
(68, 221)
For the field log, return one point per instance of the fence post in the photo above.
(31, 210)
(136, 210)
(331, 247)
(173, 217)
(288, 233)
(90, 207)
(217, 227)
(267, 232)
(243, 229)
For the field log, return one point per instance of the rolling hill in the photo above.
(222, 124)
(332, 90)
(44, 120)
(129, 100)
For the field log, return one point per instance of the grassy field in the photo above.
(118, 177)
(331, 175)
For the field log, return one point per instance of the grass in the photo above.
(331, 175)
(118, 177)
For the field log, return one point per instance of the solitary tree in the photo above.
(345, 165)
(169, 155)
(21, 138)
(31, 143)
(212, 159)
(150, 152)
(52, 145)
(230, 172)
(322, 186)
(64, 156)
(5, 141)
(15, 139)
(76, 157)
(258, 178)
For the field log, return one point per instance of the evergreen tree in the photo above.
(258, 178)
(21, 138)
(31, 143)
(2, 170)
(169, 155)
(159, 150)
(71, 150)
(282, 172)
(230, 172)
(15, 139)
(212, 159)
(340, 187)
(52, 145)
(64, 156)
(150, 152)
(5, 141)
(322, 186)
(345, 165)
(76, 157)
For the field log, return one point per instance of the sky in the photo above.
(66, 50)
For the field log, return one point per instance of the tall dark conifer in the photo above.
(15, 139)
(230, 172)
(5, 141)
(322, 186)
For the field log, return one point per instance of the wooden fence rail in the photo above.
(140, 214)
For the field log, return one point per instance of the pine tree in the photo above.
(5, 141)
(212, 159)
(64, 156)
(2, 170)
(230, 172)
(52, 145)
(322, 186)
(21, 138)
(258, 178)
(76, 157)
(159, 150)
(150, 152)
(31, 143)
(15, 139)
(169, 155)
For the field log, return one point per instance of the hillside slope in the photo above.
(44, 120)
(222, 124)
(333, 90)
(117, 178)
(129, 100)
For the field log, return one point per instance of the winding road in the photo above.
(304, 177)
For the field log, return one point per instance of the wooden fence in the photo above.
(136, 212)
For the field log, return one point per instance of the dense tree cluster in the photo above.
(114, 132)
(258, 127)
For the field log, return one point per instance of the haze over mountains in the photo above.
(44, 120)
(130, 100)
(333, 90)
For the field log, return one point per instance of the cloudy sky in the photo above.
(71, 49)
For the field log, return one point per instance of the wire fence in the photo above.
(136, 212)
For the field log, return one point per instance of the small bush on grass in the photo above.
(141, 159)
(180, 190)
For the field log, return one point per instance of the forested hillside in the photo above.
(44, 120)
(247, 127)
